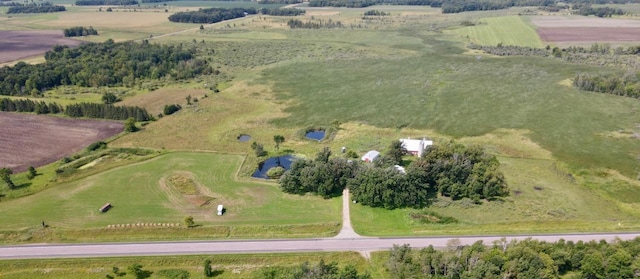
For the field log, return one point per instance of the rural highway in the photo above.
(346, 240)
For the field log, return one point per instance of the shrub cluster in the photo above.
(106, 2)
(282, 12)
(79, 31)
(628, 86)
(35, 8)
(296, 23)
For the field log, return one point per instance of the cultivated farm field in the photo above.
(17, 45)
(31, 140)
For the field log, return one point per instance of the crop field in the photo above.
(509, 30)
(34, 140)
(164, 190)
(586, 30)
(22, 44)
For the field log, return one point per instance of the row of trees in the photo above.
(102, 64)
(375, 13)
(79, 31)
(211, 15)
(524, 259)
(321, 270)
(33, 8)
(27, 105)
(281, 12)
(105, 111)
(628, 86)
(286, 2)
(587, 10)
(450, 169)
(296, 23)
(106, 2)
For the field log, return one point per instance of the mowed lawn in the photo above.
(507, 30)
(139, 196)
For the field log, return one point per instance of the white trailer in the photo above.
(220, 209)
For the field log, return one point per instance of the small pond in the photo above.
(264, 166)
(315, 135)
(243, 138)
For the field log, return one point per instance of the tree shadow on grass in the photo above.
(217, 272)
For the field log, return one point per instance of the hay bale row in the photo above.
(140, 225)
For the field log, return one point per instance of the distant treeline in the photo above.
(79, 31)
(27, 105)
(210, 15)
(95, 110)
(375, 13)
(295, 23)
(101, 64)
(90, 110)
(286, 2)
(106, 2)
(281, 12)
(35, 8)
(587, 10)
(457, 6)
(9, 4)
(156, 1)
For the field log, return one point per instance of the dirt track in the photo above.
(16, 45)
(36, 140)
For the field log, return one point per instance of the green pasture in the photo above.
(224, 266)
(140, 193)
(506, 30)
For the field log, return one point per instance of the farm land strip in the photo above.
(506, 30)
(16, 45)
(579, 30)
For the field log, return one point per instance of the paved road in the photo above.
(263, 246)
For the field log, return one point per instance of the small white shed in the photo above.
(371, 156)
(220, 209)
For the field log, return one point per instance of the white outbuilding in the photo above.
(371, 156)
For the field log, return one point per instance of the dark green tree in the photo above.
(208, 271)
(31, 172)
(396, 151)
(130, 125)
(278, 139)
(5, 175)
(110, 98)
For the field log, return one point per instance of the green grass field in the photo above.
(508, 30)
(144, 193)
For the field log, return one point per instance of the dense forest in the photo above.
(286, 2)
(210, 15)
(106, 2)
(321, 270)
(450, 169)
(45, 7)
(157, 1)
(101, 64)
(524, 259)
(79, 31)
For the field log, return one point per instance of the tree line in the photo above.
(107, 111)
(518, 259)
(33, 8)
(281, 12)
(90, 110)
(375, 13)
(27, 105)
(628, 86)
(286, 2)
(79, 31)
(156, 1)
(449, 169)
(211, 15)
(587, 10)
(296, 23)
(448, 6)
(102, 64)
(106, 2)
(321, 270)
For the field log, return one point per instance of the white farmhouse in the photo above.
(415, 147)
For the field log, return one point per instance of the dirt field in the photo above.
(589, 34)
(581, 29)
(36, 140)
(155, 101)
(16, 45)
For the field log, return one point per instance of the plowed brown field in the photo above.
(16, 45)
(586, 29)
(36, 140)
